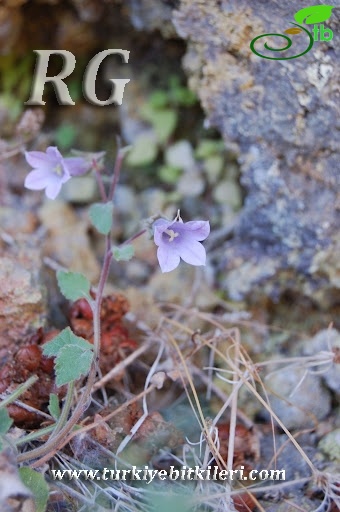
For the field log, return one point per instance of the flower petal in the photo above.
(38, 160)
(37, 180)
(160, 226)
(53, 189)
(196, 229)
(192, 252)
(168, 260)
(54, 154)
(66, 175)
(77, 166)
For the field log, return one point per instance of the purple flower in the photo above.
(177, 239)
(51, 170)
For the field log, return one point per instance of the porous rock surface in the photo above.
(282, 120)
(22, 295)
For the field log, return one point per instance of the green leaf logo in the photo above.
(314, 14)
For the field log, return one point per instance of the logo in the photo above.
(313, 15)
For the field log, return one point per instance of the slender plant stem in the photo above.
(65, 410)
(113, 413)
(19, 391)
(99, 297)
(36, 434)
(101, 186)
(116, 170)
(233, 412)
(62, 429)
(133, 237)
(99, 181)
(53, 443)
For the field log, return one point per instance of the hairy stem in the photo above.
(62, 429)
(52, 444)
(65, 410)
(19, 391)
(133, 237)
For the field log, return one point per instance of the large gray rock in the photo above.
(298, 398)
(282, 119)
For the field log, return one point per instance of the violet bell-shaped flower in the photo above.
(51, 170)
(177, 239)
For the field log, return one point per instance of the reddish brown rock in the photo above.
(22, 294)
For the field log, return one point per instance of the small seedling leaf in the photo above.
(313, 14)
(73, 285)
(53, 406)
(65, 135)
(158, 99)
(164, 122)
(5, 421)
(144, 150)
(36, 483)
(208, 147)
(169, 174)
(101, 217)
(72, 362)
(124, 253)
(184, 96)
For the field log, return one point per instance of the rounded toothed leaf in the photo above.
(124, 253)
(36, 483)
(73, 355)
(73, 285)
(143, 151)
(101, 217)
(72, 362)
(65, 337)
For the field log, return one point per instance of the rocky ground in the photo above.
(214, 133)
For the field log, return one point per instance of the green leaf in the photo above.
(101, 217)
(73, 356)
(169, 174)
(73, 285)
(65, 135)
(313, 14)
(65, 337)
(174, 82)
(158, 99)
(144, 150)
(53, 406)
(124, 253)
(208, 147)
(5, 421)
(164, 123)
(214, 166)
(72, 362)
(183, 96)
(37, 485)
